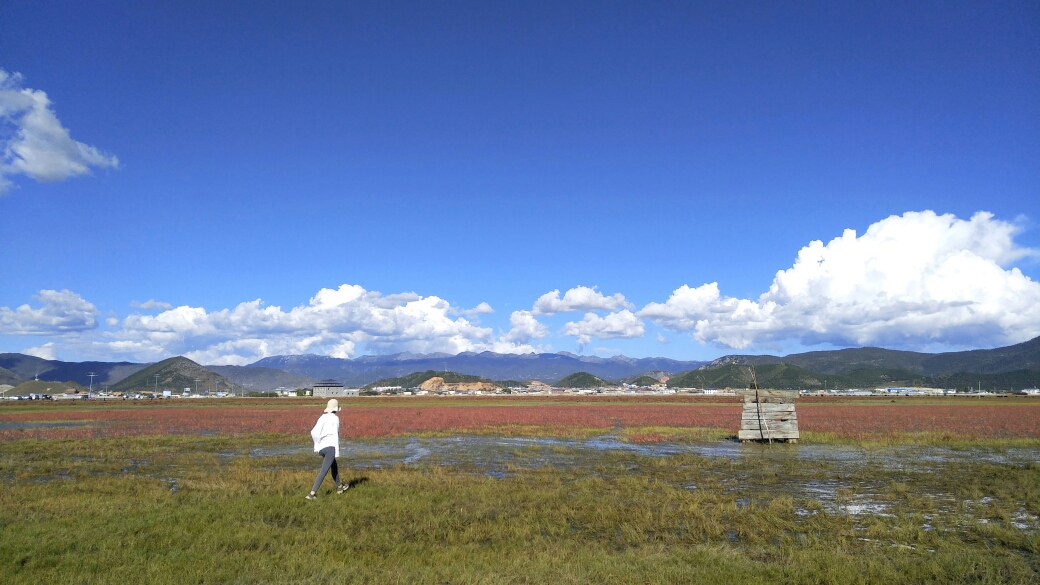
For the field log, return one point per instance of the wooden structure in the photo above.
(768, 415)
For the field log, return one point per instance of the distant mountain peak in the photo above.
(545, 367)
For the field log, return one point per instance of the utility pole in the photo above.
(196, 386)
(91, 389)
(157, 383)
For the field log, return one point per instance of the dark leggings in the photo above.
(329, 453)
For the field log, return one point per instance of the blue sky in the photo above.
(493, 154)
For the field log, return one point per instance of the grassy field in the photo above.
(215, 509)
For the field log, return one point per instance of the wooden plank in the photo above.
(771, 431)
(785, 428)
(761, 411)
(768, 419)
(767, 407)
(769, 400)
(769, 396)
(769, 424)
(753, 410)
(755, 436)
(752, 423)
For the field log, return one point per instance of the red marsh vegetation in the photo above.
(960, 418)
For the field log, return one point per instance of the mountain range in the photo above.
(261, 379)
(544, 367)
(27, 367)
(1011, 365)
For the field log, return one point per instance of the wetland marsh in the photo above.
(613, 505)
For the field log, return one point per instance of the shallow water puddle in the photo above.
(481, 450)
(838, 493)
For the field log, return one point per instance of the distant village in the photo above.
(436, 386)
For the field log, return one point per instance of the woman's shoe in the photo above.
(311, 496)
(342, 488)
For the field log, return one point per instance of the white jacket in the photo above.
(326, 432)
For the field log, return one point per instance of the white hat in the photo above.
(333, 406)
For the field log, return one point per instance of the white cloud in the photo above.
(579, 298)
(661, 338)
(481, 309)
(524, 328)
(151, 304)
(334, 322)
(32, 140)
(45, 351)
(916, 280)
(62, 312)
(622, 324)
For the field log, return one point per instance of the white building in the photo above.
(333, 389)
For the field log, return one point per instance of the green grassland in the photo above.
(199, 509)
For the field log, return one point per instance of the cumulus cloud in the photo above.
(45, 351)
(622, 324)
(915, 280)
(61, 312)
(34, 143)
(334, 322)
(524, 328)
(481, 309)
(151, 304)
(579, 298)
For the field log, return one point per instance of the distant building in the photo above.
(333, 389)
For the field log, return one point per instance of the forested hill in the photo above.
(1021, 356)
(174, 374)
(27, 367)
(582, 380)
(791, 377)
(414, 379)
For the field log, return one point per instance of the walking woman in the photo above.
(326, 443)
